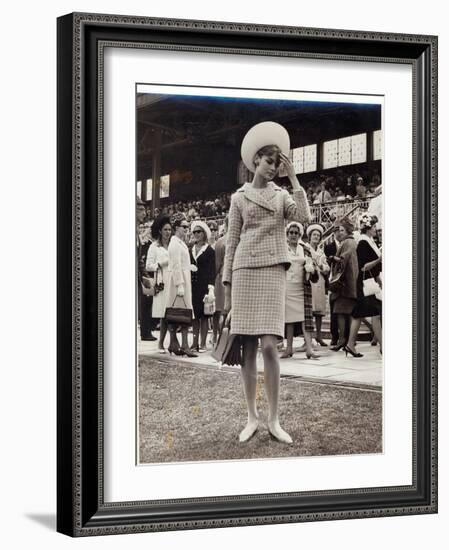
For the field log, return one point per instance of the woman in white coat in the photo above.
(315, 233)
(157, 263)
(179, 281)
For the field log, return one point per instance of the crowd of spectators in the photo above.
(332, 189)
(323, 189)
(218, 206)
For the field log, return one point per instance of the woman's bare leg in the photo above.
(204, 328)
(162, 333)
(289, 348)
(377, 329)
(184, 332)
(353, 331)
(216, 326)
(308, 343)
(272, 382)
(196, 331)
(249, 379)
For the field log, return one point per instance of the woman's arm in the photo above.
(234, 230)
(369, 265)
(175, 258)
(211, 267)
(151, 263)
(296, 206)
(364, 251)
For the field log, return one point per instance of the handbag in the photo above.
(336, 280)
(158, 287)
(370, 286)
(178, 315)
(228, 349)
(148, 286)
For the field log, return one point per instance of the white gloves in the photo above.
(309, 267)
(210, 296)
(180, 290)
(193, 268)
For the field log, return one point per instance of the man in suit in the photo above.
(144, 303)
(330, 250)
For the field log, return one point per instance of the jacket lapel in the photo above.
(252, 195)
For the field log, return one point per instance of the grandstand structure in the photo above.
(188, 148)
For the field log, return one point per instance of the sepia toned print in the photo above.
(259, 274)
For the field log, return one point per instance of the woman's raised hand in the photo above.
(287, 165)
(180, 291)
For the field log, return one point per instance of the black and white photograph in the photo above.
(259, 279)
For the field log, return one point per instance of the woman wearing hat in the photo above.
(298, 299)
(202, 256)
(345, 262)
(314, 234)
(255, 264)
(369, 259)
(157, 262)
(179, 281)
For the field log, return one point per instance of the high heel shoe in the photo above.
(352, 352)
(188, 352)
(338, 346)
(312, 356)
(176, 351)
(321, 342)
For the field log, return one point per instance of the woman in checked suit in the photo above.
(255, 264)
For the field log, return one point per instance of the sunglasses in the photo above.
(197, 231)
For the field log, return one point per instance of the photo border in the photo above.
(81, 510)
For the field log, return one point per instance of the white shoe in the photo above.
(247, 433)
(276, 432)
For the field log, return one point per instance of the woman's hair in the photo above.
(157, 226)
(366, 222)
(313, 231)
(269, 150)
(177, 219)
(347, 224)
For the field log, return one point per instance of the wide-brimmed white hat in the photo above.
(261, 135)
(202, 225)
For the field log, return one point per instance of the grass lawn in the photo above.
(189, 413)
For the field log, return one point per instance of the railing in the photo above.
(327, 213)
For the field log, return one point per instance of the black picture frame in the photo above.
(81, 510)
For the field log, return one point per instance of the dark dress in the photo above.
(202, 278)
(346, 297)
(366, 306)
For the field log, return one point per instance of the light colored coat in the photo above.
(179, 273)
(157, 261)
(256, 234)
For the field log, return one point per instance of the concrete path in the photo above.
(331, 368)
